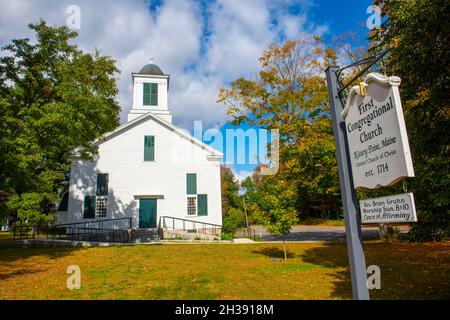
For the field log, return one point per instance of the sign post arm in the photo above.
(349, 201)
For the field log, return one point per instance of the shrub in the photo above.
(226, 236)
(235, 218)
(431, 227)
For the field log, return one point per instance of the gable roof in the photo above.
(143, 118)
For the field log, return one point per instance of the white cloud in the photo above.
(203, 48)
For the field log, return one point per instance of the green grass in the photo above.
(223, 271)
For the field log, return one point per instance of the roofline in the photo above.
(214, 153)
(144, 75)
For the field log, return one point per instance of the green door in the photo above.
(147, 213)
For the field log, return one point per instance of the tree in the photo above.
(232, 209)
(418, 36)
(290, 94)
(311, 164)
(234, 218)
(277, 211)
(53, 98)
(252, 197)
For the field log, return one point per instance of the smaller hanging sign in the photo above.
(390, 209)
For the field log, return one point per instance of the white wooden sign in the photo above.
(390, 209)
(376, 132)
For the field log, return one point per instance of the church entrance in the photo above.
(147, 213)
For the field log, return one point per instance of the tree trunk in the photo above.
(284, 248)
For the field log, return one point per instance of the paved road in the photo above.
(317, 233)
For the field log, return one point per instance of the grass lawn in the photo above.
(223, 271)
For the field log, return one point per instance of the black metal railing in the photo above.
(119, 230)
(205, 228)
(192, 226)
(93, 230)
(245, 232)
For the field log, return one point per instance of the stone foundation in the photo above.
(185, 235)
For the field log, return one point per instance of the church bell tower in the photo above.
(150, 93)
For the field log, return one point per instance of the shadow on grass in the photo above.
(274, 252)
(11, 252)
(14, 261)
(18, 273)
(184, 288)
(332, 256)
(408, 271)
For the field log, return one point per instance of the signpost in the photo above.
(390, 209)
(372, 150)
(349, 201)
(376, 132)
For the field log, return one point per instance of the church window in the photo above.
(150, 97)
(96, 206)
(101, 201)
(101, 206)
(149, 148)
(192, 205)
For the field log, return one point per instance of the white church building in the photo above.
(147, 168)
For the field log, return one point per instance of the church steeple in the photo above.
(150, 93)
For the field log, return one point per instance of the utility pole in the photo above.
(348, 194)
(245, 210)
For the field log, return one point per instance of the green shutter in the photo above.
(89, 207)
(149, 148)
(191, 183)
(154, 94)
(202, 204)
(102, 184)
(147, 94)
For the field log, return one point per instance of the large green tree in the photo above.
(417, 32)
(53, 98)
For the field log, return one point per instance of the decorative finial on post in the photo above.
(362, 89)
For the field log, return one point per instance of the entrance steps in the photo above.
(144, 235)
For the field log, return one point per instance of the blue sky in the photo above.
(342, 16)
(203, 45)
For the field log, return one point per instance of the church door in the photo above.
(147, 213)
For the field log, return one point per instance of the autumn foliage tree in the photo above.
(290, 95)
